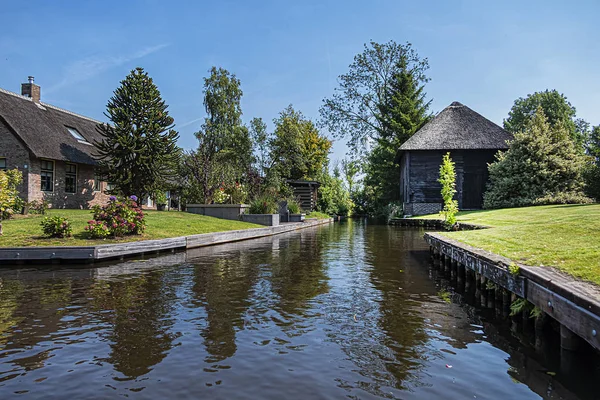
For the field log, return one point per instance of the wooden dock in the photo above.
(572, 303)
(20, 255)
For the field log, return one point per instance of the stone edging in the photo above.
(433, 223)
(573, 303)
(17, 255)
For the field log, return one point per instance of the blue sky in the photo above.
(484, 54)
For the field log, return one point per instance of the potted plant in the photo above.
(296, 214)
(161, 200)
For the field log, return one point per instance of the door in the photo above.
(472, 190)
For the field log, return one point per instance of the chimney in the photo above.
(32, 90)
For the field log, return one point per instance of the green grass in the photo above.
(26, 230)
(563, 236)
(317, 214)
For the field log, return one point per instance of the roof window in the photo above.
(75, 133)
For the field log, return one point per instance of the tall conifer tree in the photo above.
(138, 151)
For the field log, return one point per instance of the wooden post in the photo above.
(498, 301)
(446, 266)
(505, 303)
(514, 326)
(539, 327)
(460, 278)
(483, 291)
(568, 340)
(453, 271)
(477, 289)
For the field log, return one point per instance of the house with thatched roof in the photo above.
(52, 147)
(472, 141)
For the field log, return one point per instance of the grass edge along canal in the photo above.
(566, 237)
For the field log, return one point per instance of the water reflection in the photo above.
(350, 310)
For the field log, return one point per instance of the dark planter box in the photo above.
(297, 217)
(262, 219)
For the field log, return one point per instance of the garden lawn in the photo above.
(25, 230)
(564, 236)
(318, 215)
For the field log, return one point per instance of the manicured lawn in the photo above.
(318, 215)
(564, 236)
(26, 230)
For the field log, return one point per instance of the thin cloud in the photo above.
(189, 123)
(86, 68)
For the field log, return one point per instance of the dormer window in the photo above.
(75, 133)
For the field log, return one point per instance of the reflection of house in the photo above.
(52, 147)
(472, 140)
(305, 192)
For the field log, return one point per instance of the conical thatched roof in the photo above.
(458, 127)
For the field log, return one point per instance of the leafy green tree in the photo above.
(298, 150)
(448, 181)
(354, 110)
(9, 181)
(260, 139)
(334, 198)
(224, 153)
(557, 109)
(138, 152)
(542, 165)
(404, 111)
(592, 169)
(350, 170)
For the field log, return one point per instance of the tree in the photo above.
(353, 112)
(557, 109)
(334, 198)
(542, 165)
(403, 111)
(9, 181)
(260, 138)
(350, 169)
(138, 152)
(224, 151)
(448, 181)
(592, 169)
(298, 150)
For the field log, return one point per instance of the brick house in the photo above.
(52, 147)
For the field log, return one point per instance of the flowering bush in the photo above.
(97, 229)
(263, 205)
(59, 227)
(118, 218)
(220, 196)
(237, 192)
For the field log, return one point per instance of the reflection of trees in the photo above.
(22, 307)
(140, 318)
(298, 273)
(223, 285)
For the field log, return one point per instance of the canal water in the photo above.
(350, 310)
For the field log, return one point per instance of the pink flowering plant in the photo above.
(56, 226)
(118, 218)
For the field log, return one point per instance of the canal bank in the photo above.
(57, 254)
(573, 303)
(352, 309)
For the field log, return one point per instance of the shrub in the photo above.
(263, 205)
(542, 162)
(220, 196)
(121, 217)
(56, 226)
(38, 207)
(97, 229)
(293, 206)
(160, 198)
(237, 193)
(448, 181)
(562, 198)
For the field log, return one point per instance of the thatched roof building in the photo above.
(472, 141)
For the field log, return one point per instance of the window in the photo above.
(47, 175)
(110, 187)
(71, 178)
(97, 181)
(3, 164)
(75, 133)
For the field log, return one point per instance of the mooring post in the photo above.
(447, 266)
(453, 270)
(498, 301)
(568, 340)
(460, 278)
(484, 296)
(477, 289)
(505, 303)
(539, 326)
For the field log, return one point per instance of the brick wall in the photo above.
(83, 198)
(422, 208)
(16, 154)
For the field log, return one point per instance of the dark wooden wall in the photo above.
(420, 173)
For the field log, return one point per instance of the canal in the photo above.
(350, 310)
